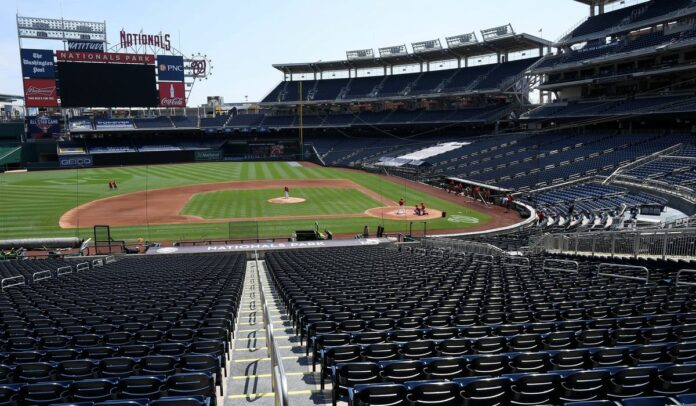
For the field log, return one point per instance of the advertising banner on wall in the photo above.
(82, 161)
(170, 68)
(37, 63)
(86, 46)
(43, 127)
(211, 155)
(172, 94)
(105, 57)
(40, 93)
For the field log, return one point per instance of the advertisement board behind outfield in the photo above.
(37, 64)
(40, 93)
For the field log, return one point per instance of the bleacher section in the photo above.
(616, 107)
(155, 329)
(648, 42)
(615, 21)
(184, 121)
(670, 170)
(452, 81)
(594, 205)
(153, 123)
(386, 327)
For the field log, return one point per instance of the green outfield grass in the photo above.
(31, 204)
(254, 203)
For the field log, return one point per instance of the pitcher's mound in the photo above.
(391, 213)
(289, 200)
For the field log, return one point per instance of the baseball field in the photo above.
(221, 201)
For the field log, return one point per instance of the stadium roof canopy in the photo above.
(8, 98)
(502, 44)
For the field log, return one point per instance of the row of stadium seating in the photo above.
(402, 117)
(600, 48)
(114, 146)
(616, 107)
(629, 16)
(595, 206)
(139, 328)
(675, 169)
(162, 122)
(515, 161)
(450, 81)
(386, 327)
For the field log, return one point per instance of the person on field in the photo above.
(287, 192)
(401, 206)
(115, 185)
(417, 210)
(422, 207)
(111, 185)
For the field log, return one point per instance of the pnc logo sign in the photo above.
(170, 68)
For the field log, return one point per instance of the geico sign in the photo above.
(83, 161)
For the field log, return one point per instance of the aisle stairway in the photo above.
(250, 380)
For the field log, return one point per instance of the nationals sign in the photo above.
(134, 39)
(40, 93)
(106, 57)
(172, 94)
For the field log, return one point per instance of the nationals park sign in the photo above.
(270, 246)
(105, 57)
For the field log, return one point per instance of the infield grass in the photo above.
(32, 203)
(254, 203)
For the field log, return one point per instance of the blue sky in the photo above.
(244, 38)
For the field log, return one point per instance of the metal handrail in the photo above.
(520, 262)
(82, 266)
(12, 281)
(41, 275)
(483, 258)
(64, 270)
(683, 271)
(280, 385)
(97, 263)
(562, 261)
(626, 267)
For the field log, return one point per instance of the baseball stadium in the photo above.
(492, 218)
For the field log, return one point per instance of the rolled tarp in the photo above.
(40, 243)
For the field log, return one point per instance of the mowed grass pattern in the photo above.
(32, 203)
(254, 203)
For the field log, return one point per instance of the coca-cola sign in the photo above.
(172, 94)
(40, 93)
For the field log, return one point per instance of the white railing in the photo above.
(517, 261)
(682, 272)
(64, 270)
(41, 275)
(664, 187)
(97, 263)
(83, 266)
(279, 379)
(12, 281)
(551, 264)
(604, 269)
(674, 243)
(461, 246)
(483, 258)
